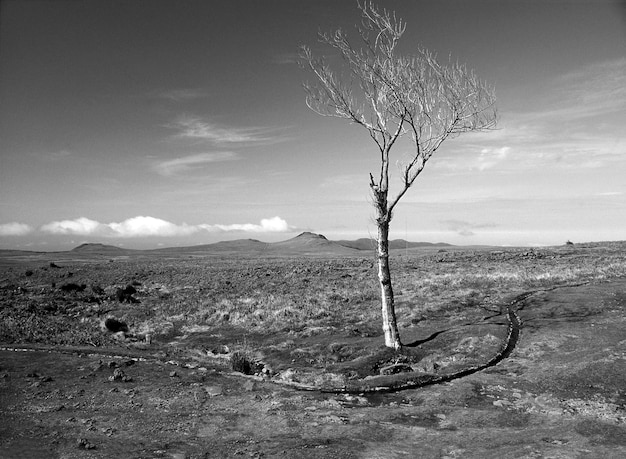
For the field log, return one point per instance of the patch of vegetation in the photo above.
(328, 309)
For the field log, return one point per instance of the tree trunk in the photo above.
(390, 327)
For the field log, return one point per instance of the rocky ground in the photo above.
(559, 394)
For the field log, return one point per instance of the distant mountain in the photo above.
(370, 244)
(238, 245)
(98, 248)
(402, 244)
(305, 243)
(308, 242)
(359, 244)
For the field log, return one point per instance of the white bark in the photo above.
(393, 96)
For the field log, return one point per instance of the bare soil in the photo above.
(165, 387)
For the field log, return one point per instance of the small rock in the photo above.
(83, 443)
(221, 349)
(119, 375)
(249, 385)
(173, 374)
(501, 403)
(213, 391)
(395, 369)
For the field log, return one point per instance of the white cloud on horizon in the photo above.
(464, 228)
(15, 229)
(268, 225)
(149, 226)
(186, 163)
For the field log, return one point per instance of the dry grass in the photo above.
(289, 296)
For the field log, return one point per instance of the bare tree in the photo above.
(393, 96)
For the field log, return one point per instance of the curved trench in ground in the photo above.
(409, 381)
(385, 384)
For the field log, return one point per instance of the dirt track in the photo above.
(560, 393)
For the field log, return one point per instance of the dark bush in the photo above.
(114, 326)
(72, 287)
(125, 295)
(241, 363)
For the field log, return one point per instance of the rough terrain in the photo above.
(88, 392)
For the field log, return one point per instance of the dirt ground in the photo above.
(561, 393)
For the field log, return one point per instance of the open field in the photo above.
(144, 344)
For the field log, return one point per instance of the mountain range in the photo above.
(305, 243)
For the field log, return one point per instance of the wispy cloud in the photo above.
(198, 129)
(611, 193)
(464, 228)
(187, 163)
(183, 94)
(286, 58)
(599, 88)
(576, 123)
(150, 226)
(15, 229)
(489, 157)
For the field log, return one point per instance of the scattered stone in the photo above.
(83, 443)
(119, 375)
(173, 374)
(395, 369)
(213, 391)
(501, 403)
(267, 372)
(288, 375)
(356, 400)
(221, 349)
(249, 385)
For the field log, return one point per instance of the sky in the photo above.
(151, 123)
